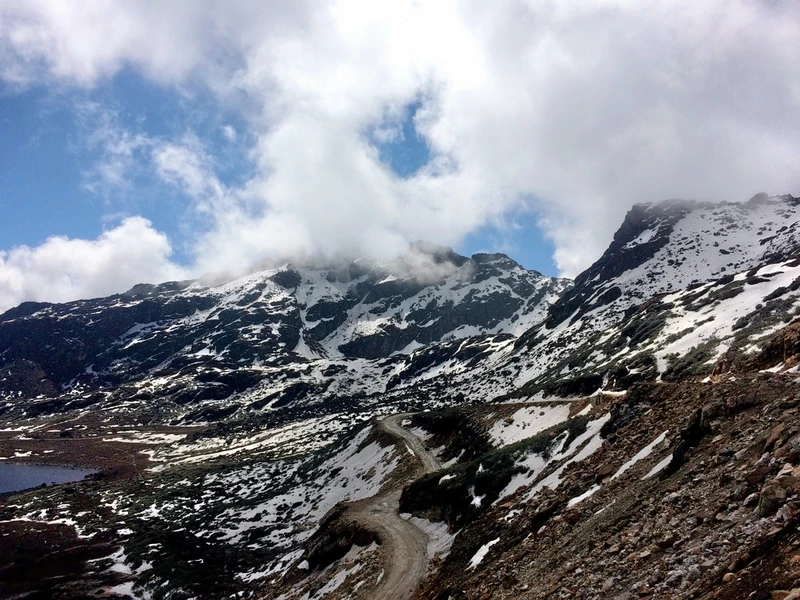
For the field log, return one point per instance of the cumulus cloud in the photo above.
(577, 110)
(63, 269)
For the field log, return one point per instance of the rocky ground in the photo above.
(719, 521)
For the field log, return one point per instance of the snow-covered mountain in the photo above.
(432, 322)
(669, 283)
(667, 246)
(269, 337)
(239, 425)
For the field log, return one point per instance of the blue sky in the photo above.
(49, 156)
(49, 152)
(145, 141)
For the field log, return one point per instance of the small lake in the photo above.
(19, 476)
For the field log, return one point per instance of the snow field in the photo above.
(527, 422)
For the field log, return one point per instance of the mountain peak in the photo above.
(664, 246)
(438, 254)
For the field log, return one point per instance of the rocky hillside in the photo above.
(267, 339)
(667, 246)
(673, 490)
(680, 278)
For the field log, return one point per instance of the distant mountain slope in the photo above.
(302, 329)
(618, 303)
(666, 246)
(432, 323)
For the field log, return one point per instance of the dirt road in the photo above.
(405, 545)
(393, 426)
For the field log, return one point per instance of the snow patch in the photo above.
(642, 454)
(481, 554)
(527, 422)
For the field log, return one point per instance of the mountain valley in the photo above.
(634, 433)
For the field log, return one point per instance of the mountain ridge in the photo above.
(282, 318)
(644, 415)
(385, 314)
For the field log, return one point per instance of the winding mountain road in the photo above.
(405, 545)
(393, 426)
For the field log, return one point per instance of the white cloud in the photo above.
(120, 150)
(186, 165)
(580, 109)
(229, 132)
(63, 269)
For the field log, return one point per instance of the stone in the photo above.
(703, 517)
(785, 513)
(772, 497)
(673, 577)
(758, 474)
(693, 573)
(790, 452)
(604, 471)
(774, 436)
(609, 583)
(741, 492)
(667, 541)
(789, 482)
(751, 500)
(728, 577)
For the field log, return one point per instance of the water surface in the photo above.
(19, 476)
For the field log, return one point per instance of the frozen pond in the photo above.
(18, 476)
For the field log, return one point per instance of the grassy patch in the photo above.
(456, 431)
(448, 495)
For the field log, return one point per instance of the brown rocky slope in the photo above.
(718, 521)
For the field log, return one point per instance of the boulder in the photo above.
(772, 497)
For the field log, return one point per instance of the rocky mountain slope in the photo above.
(633, 434)
(673, 490)
(679, 277)
(267, 339)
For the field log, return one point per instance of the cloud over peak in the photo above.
(576, 111)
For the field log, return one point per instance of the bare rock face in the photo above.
(26, 378)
